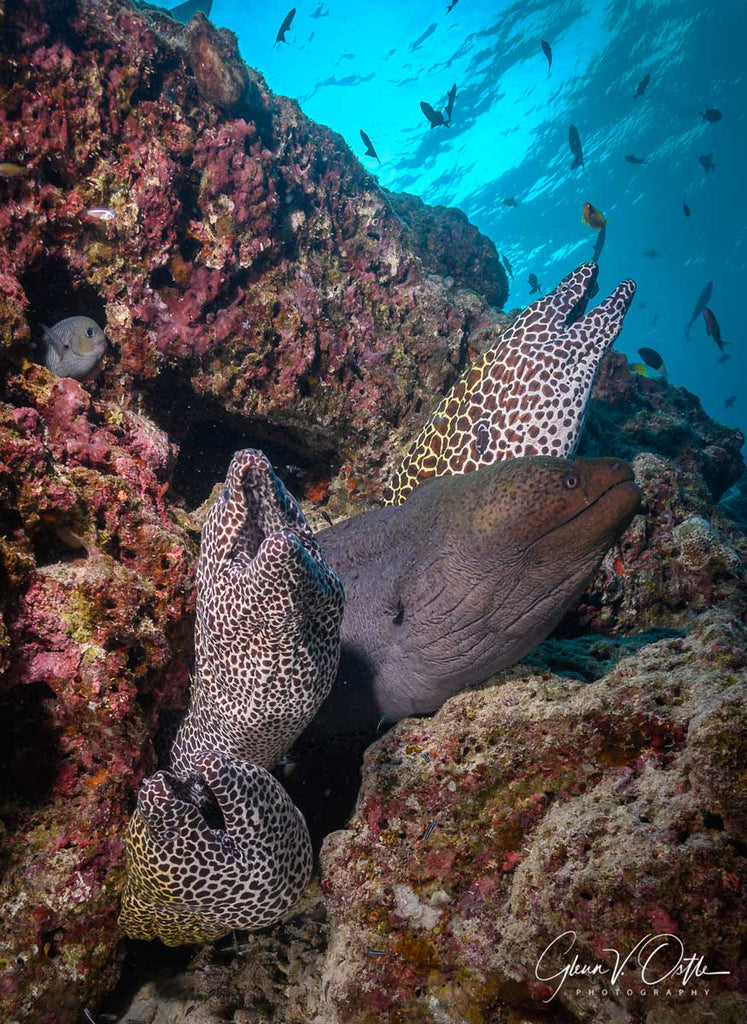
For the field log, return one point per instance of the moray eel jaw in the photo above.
(465, 578)
(189, 881)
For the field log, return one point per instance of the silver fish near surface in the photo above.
(73, 346)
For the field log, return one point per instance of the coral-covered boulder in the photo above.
(605, 812)
(96, 605)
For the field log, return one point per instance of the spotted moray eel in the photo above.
(528, 394)
(215, 843)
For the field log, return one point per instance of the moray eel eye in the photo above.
(571, 481)
(226, 494)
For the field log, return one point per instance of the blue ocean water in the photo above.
(368, 65)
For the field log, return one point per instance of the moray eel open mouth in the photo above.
(194, 791)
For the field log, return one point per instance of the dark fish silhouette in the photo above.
(703, 299)
(706, 162)
(320, 12)
(656, 317)
(421, 39)
(642, 86)
(643, 304)
(183, 12)
(451, 95)
(712, 328)
(451, 6)
(507, 265)
(730, 401)
(599, 244)
(510, 201)
(652, 254)
(652, 358)
(574, 141)
(287, 20)
(685, 208)
(711, 114)
(536, 286)
(435, 117)
(634, 159)
(370, 151)
(724, 358)
(547, 50)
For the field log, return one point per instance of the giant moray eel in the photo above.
(215, 843)
(526, 395)
(463, 579)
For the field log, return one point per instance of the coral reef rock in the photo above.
(541, 806)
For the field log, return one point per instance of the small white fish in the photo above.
(100, 213)
(73, 346)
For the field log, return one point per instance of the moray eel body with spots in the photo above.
(463, 579)
(267, 635)
(215, 843)
(222, 848)
(526, 395)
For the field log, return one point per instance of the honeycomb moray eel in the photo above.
(528, 394)
(267, 634)
(215, 843)
(223, 848)
(463, 579)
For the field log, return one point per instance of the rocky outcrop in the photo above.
(544, 806)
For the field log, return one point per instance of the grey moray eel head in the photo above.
(221, 849)
(466, 577)
(267, 635)
(526, 395)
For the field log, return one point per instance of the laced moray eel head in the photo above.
(267, 635)
(528, 394)
(222, 849)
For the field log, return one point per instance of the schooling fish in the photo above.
(435, 117)
(713, 329)
(685, 208)
(536, 286)
(451, 6)
(547, 50)
(13, 171)
(652, 254)
(642, 86)
(634, 159)
(592, 217)
(370, 151)
(703, 300)
(652, 358)
(599, 244)
(285, 27)
(73, 346)
(421, 39)
(730, 401)
(706, 162)
(574, 141)
(183, 12)
(711, 114)
(507, 265)
(451, 95)
(510, 201)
